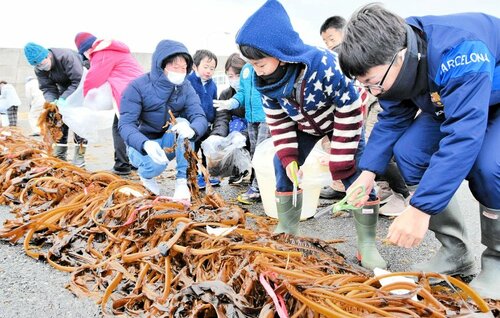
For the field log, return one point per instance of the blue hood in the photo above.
(163, 50)
(269, 29)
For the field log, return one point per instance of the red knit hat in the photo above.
(84, 41)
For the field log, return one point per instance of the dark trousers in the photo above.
(121, 158)
(64, 139)
(394, 179)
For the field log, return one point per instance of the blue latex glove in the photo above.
(61, 102)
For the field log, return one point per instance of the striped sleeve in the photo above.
(348, 122)
(283, 131)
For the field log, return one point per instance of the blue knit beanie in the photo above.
(84, 41)
(35, 53)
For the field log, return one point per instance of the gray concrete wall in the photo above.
(14, 69)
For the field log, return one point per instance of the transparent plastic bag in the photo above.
(226, 155)
(86, 116)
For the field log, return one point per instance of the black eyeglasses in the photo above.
(378, 86)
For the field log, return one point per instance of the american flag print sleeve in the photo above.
(283, 130)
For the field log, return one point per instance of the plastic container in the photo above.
(315, 177)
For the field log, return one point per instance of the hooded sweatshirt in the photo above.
(112, 62)
(146, 101)
(323, 101)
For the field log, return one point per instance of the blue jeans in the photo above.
(148, 169)
(306, 143)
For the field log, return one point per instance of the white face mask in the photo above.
(235, 83)
(44, 66)
(176, 78)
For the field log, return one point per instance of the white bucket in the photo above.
(315, 177)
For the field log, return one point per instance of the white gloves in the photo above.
(183, 129)
(226, 104)
(153, 149)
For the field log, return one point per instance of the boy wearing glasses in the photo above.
(447, 68)
(306, 97)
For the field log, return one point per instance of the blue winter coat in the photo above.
(249, 96)
(207, 93)
(147, 99)
(463, 56)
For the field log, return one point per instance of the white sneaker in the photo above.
(182, 192)
(151, 185)
(384, 192)
(395, 205)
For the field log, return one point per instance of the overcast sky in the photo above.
(210, 24)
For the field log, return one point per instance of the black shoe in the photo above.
(237, 179)
(121, 172)
(331, 194)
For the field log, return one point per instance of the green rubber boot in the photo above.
(288, 215)
(365, 220)
(487, 282)
(60, 151)
(454, 257)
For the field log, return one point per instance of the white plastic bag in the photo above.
(226, 155)
(87, 116)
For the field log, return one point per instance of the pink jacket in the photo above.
(111, 61)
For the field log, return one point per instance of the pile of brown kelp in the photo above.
(141, 255)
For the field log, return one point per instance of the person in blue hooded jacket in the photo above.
(305, 97)
(250, 98)
(438, 81)
(144, 112)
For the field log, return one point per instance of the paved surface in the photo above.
(30, 288)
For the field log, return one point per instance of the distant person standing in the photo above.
(258, 131)
(204, 64)
(9, 102)
(59, 72)
(35, 99)
(112, 62)
(226, 120)
(331, 31)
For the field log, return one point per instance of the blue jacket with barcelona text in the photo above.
(463, 61)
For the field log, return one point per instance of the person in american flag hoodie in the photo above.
(305, 97)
